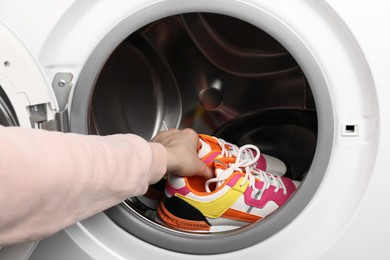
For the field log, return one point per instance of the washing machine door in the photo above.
(26, 97)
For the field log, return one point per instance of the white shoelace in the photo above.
(245, 161)
(234, 150)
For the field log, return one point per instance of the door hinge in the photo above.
(62, 86)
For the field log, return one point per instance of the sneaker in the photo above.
(213, 148)
(238, 195)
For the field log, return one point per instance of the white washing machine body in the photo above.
(342, 47)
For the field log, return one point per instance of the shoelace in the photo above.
(234, 150)
(245, 163)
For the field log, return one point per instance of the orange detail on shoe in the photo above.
(215, 149)
(239, 215)
(223, 162)
(196, 184)
(179, 223)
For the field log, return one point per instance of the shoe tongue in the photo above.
(221, 164)
(208, 148)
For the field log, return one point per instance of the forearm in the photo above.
(50, 180)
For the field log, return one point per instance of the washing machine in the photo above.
(306, 81)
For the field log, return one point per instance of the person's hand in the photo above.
(181, 146)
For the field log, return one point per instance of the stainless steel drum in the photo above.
(215, 74)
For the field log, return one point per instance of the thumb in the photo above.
(205, 171)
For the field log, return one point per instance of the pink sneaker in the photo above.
(213, 148)
(238, 195)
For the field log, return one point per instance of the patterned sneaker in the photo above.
(213, 148)
(240, 194)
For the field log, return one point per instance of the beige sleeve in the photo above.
(50, 180)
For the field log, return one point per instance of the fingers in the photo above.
(206, 172)
(164, 134)
(182, 146)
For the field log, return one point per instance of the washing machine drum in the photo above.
(191, 70)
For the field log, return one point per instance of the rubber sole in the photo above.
(180, 223)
